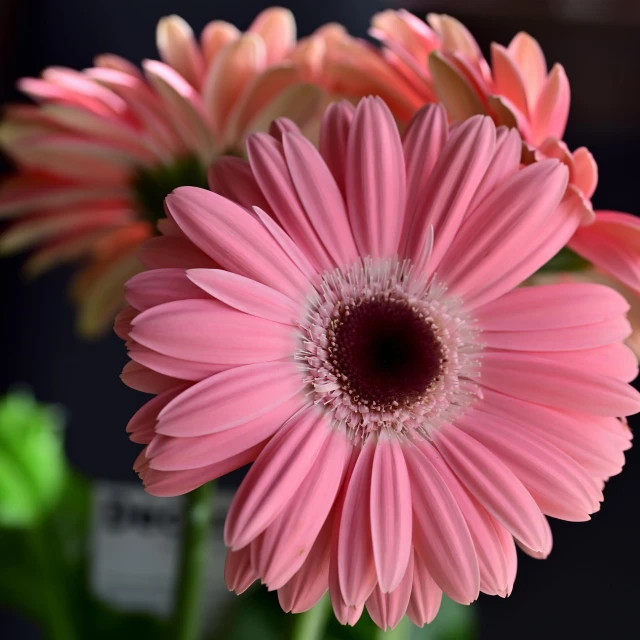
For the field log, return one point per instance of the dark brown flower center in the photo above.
(385, 352)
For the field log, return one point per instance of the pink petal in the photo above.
(334, 137)
(142, 425)
(505, 162)
(494, 486)
(289, 538)
(310, 582)
(440, 533)
(122, 323)
(209, 331)
(426, 595)
(246, 295)
(214, 37)
(560, 486)
(390, 513)
(451, 186)
(553, 383)
(166, 484)
(486, 241)
(173, 367)
(491, 560)
(275, 477)
(235, 240)
(375, 180)
(230, 398)
(552, 108)
(238, 574)
(574, 304)
(184, 452)
(270, 169)
(356, 566)
(422, 143)
(141, 378)
(320, 198)
(387, 609)
(151, 288)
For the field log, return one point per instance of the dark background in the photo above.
(589, 587)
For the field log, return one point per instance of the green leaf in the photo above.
(32, 464)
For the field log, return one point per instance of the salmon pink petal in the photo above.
(122, 324)
(440, 534)
(585, 172)
(612, 243)
(238, 337)
(275, 477)
(334, 138)
(311, 581)
(238, 395)
(387, 609)
(185, 452)
(277, 28)
(426, 595)
(238, 574)
(228, 76)
(451, 186)
(288, 540)
(494, 485)
(553, 383)
(177, 46)
(552, 107)
(320, 197)
(507, 78)
(356, 565)
(527, 56)
(151, 288)
(214, 37)
(234, 239)
(375, 179)
(560, 486)
(390, 513)
(270, 169)
(245, 295)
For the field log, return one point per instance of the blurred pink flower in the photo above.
(441, 61)
(97, 155)
(348, 320)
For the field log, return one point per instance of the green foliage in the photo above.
(565, 260)
(31, 459)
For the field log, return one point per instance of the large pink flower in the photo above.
(347, 320)
(98, 154)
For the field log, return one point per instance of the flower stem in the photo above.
(310, 625)
(58, 620)
(187, 613)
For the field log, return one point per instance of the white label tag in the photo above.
(135, 545)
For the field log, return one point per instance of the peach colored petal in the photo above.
(527, 56)
(177, 46)
(277, 28)
(215, 36)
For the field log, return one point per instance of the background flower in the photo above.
(101, 149)
(347, 320)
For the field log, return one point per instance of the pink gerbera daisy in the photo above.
(347, 320)
(102, 148)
